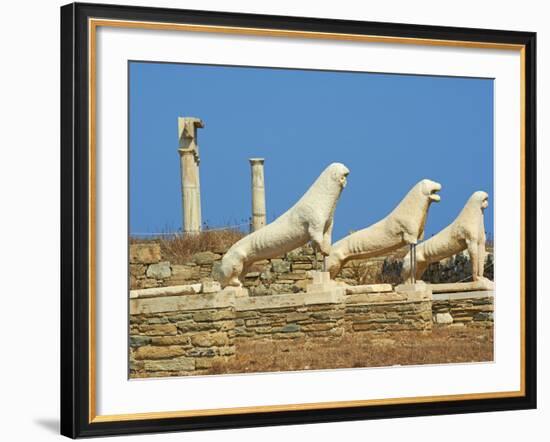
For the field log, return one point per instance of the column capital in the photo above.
(187, 127)
(256, 160)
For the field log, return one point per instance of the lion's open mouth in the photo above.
(434, 196)
(343, 180)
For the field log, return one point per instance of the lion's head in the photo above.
(338, 172)
(429, 189)
(222, 271)
(481, 198)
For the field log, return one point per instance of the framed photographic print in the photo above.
(275, 220)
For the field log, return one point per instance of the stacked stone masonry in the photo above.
(471, 309)
(285, 274)
(176, 335)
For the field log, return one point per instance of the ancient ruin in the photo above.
(190, 180)
(186, 329)
(195, 316)
(258, 193)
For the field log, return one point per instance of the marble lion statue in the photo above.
(467, 231)
(404, 225)
(310, 219)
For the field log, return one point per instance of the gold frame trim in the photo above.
(93, 24)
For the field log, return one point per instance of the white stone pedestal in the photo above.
(238, 292)
(321, 282)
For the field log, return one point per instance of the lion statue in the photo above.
(310, 219)
(404, 225)
(467, 231)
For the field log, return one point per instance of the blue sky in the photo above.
(390, 130)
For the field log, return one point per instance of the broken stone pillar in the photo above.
(190, 179)
(258, 193)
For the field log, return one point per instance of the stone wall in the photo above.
(474, 309)
(187, 334)
(285, 274)
(147, 268)
(290, 273)
(168, 339)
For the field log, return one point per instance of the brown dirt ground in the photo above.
(442, 345)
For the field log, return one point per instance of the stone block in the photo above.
(328, 315)
(210, 339)
(160, 270)
(182, 303)
(288, 335)
(157, 321)
(297, 316)
(369, 288)
(158, 330)
(457, 287)
(443, 318)
(258, 322)
(295, 276)
(138, 341)
(172, 340)
(157, 292)
(137, 269)
(320, 277)
(146, 253)
(176, 364)
(213, 315)
(302, 266)
(203, 352)
(185, 272)
(483, 316)
(288, 328)
(204, 363)
(160, 352)
(203, 258)
(211, 287)
(235, 292)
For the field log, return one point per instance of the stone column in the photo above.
(189, 165)
(258, 193)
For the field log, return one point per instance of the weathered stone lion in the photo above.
(467, 231)
(404, 225)
(310, 219)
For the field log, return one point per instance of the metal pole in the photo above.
(412, 257)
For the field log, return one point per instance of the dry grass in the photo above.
(179, 248)
(442, 345)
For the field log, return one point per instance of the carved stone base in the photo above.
(238, 292)
(454, 287)
(418, 286)
(322, 283)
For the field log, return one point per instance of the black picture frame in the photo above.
(75, 221)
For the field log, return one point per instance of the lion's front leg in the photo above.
(318, 240)
(327, 237)
(473, 251)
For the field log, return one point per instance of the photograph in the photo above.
(276, 220)
(302, 219)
